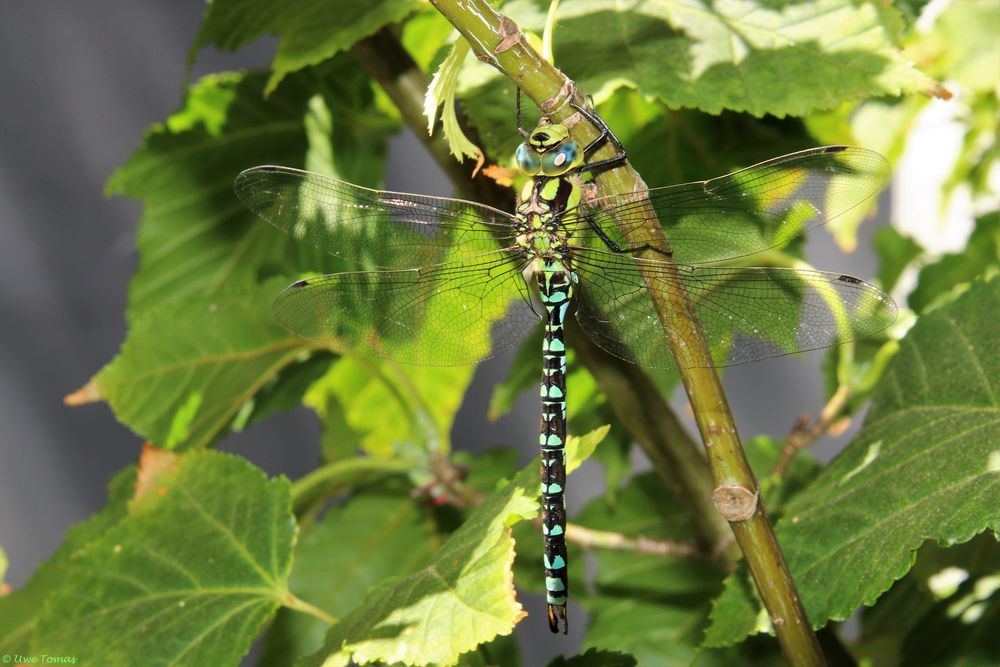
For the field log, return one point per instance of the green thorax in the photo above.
(550, 157)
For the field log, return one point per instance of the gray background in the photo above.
(80, 82)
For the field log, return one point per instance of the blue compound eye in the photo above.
(562, 159)
(527, 160)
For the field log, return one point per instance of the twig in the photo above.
(589, 538)
(804, 434)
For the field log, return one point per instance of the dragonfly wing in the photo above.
(746, 313)
(742, 213)
(443, 315)
(375, 227)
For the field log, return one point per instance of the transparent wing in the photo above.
(746, 313)
(443, 315)
(382, 229)
(745, 212)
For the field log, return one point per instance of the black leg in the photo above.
(605, 135)
(615, 247)
(517, 115)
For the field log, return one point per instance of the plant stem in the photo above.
(589, 538)
(298, 604)
(632, 395)
(497, 40)
(304, 487)
(803, 437)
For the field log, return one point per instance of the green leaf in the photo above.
(19, 609)
(188, 578)
(309, 31)
(940, 581)
(378, 533)
(188, 367)
(980, 256)
(895, 252)
(385, 404)
(961, 632)
(524, 375)
(285, 391)
(195, 237)
(929, 442)
(441, 93)
(503, 650)
(595, 658)
(650, 606)
(463, 599)
(760, 56)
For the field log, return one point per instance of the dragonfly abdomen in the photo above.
(555, 284)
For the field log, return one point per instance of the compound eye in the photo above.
(527, 160)
(562, 159)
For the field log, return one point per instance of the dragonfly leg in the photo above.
(620, 249)
(517, 114)
(606, 134)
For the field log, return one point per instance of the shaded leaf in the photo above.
(464, 598)
(189, 366)
(309, 31)
(376, 534)
(650, 606)
(195, 237)
(19, 610)
(923, 467)
(982, 254)
(285, 391)
(959, 633)
(188, 578)
(895, 252)
(595, 658)
(524, 374)
(940, 578)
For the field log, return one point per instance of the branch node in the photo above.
(735, 502)
(509, 34)
(565, 95)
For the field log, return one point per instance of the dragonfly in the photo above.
(446, 281)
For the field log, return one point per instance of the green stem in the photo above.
(305, 487)
(497, 40)
(298, 604)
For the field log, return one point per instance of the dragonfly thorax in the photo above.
(540, 231)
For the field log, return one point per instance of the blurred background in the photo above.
(82, 82)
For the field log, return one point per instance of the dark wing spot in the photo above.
(300, 283)
(835, 149)
(850, 279)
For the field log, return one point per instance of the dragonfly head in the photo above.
(548, 151)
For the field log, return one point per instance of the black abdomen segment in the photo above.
(556, 290)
